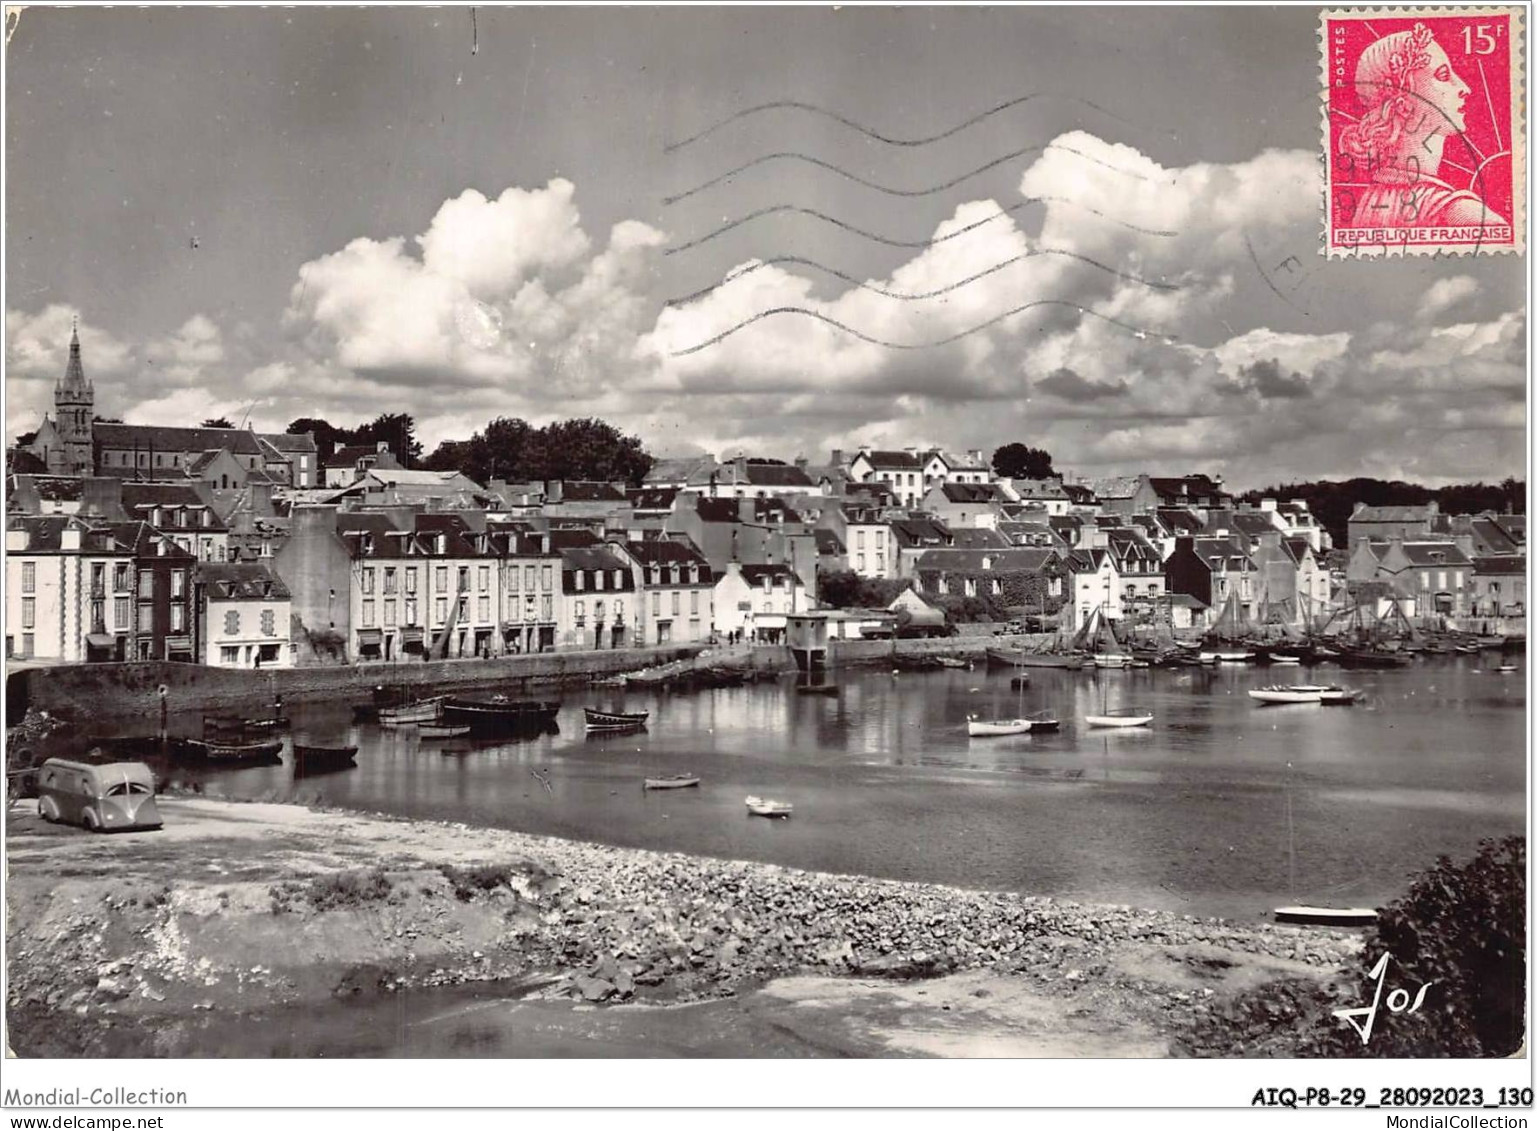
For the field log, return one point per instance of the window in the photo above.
(597, 611)
(547, 607)
(269, 622)
(464, 609)
(146, 618)
(368, 580)
(178, 618)
(29, 577)
(410, 611)
(581, 581)
(528, 578)
(229, 654)
(597, 579)
(619, 578)
(971, 587)
(618, 609)
(389, 614)
(410, 579)
(546, 580)
(178, 583)
(693, 602)
(464, 579)
(859, 539)
(579, 610)
(512, 578)
(440, 610)
(676, 601)
(120, 614)
(441, 580)
(389, 580)
(484, 609)
(485, 579)
(860, 563)
(656, 603)
(29, 612)
(231, 622)
(121, 582)
(368, 614)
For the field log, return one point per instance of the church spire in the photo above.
(74, 373)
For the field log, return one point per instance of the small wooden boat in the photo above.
(422, 711)
(500, 713)
(236, 752)
(1042, 721)
(1122, 717)
(1283, 658)
(673, 781)
(320, 759)
(992, 728)
(1207, 657)
(1292, 693)
(763, 807)
(1235, 657)
(816, 689)
(952, 662)
(1327, 916)
(442, 730)
(1338, 696)
(1507, 668)
(1112, 660)
(614, 720)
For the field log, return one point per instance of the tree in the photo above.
(1017, 461)
(26, 439)
(217, 422)
(398, 430)
(327, 436)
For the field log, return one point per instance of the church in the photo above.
(73, 442)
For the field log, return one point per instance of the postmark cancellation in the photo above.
(1423, 131)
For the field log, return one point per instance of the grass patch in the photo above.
(329, 893)
(470, 882)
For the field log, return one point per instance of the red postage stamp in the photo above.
(1424, 131)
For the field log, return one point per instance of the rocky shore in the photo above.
(120, 943)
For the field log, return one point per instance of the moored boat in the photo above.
(765, 807)
(1338, 696)
(1042, 721)
(1018, 658)
(310, 759)
(1121, 717)
(673, 781)
(1288, 693)
(614, 720)
(1112, 660)
(231, 752)
(991, 728)
(500, 713)
(816, 689)
(442, 730)
(422, 711)
(1327, 916)
(1235, 656)
(1284, 658)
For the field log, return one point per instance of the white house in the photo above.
(245, 613)
(756, 599)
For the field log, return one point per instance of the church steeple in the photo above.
(74, 402)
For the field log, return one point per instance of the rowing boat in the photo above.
(1125, 717)
(674, 781)
(614, 720)
(763, 807)
(991, 728)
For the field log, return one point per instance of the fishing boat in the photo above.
(1327, 916)
(235, 752)
(1113, 660)
(1235, 656)
(764, 807)
(321, 759)
(500, 713)
(614, 720)
(422, 711)
(1207, 657)
(1372, 658)
(1042, 721)
(1120, 717)
(991, 728)
(673, 781)
(1019, 658)
(442, 730)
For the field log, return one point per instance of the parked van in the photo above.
(103, 798)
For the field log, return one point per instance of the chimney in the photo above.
(801, 462)
(746, 511)
(740, 463)
(544, 543)
(837, 457)
(911, 451)
(1267, 504)
(975, 456)
(102, 496)
(16, 540)
(1184, 542)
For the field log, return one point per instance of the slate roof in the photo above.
(892, 461)
(1079, 495)
(348, 455)
(680, 470)
(1500, 566)
(45, 534)
(763, 510)
(665, 552)
(979, 538)
(590, 558)
(240, 581)
(161, 438)
(651, 498)
(1187, 486)
(57, 488)
(1016, 559)
(289, 444)
(1434, 554)
(1115, 486)
(1177, 520)
(1218, 550)
(971, 492)
(1031, 534)
(910, 532)
(828, 543)
(1298, 548)
(1391, 514)
(754, 574)
(588, 491)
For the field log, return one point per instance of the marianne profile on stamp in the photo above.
(1413, 100)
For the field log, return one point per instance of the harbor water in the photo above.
(1221, 807)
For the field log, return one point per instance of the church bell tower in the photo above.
(74, 403)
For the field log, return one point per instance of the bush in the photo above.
(1460, 928)
(468, 882)
(327, 893)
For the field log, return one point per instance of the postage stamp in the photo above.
(1423, 131)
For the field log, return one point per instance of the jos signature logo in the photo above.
(1398, 1002)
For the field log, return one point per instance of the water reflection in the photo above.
(1187, 814)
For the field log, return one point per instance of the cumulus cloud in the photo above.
(36, 353)
(1444, 294)
(1069, 386)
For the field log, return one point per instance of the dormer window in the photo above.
(597, 579)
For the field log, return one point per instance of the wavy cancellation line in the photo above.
(993, 321)
(887, 189)
(914, 296)
(931, 242)
(812, 108)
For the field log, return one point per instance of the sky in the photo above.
(469, 213)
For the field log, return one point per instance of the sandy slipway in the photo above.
(129, 944)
